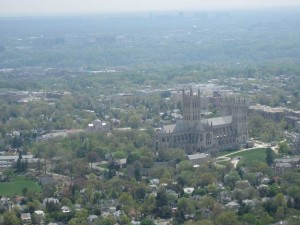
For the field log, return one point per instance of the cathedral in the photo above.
(195, 133)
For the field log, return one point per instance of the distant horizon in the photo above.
(33, 8)
(150, 13)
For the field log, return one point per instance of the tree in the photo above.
(21, 165)
(269, 156)
(142, 139)
(126, 199)
(75, 221)
(8, 174)
(134, 120)
(203, 222)
(92, 158)
(80, 167)
(185, 206)
(140, 192)
(147, 222)
(39, 166)
(231, 178)
(207, 202)
(163, 201)
(109, 220)
(31, 207)
(149, 205)
(280, 213)
(185, 165)
(280, 200)
(127, 202)
(10, 218)
(265, 218)
(283, 148)
(227, 218)
(123, 220)
(206, 179)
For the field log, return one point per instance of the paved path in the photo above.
(246, 149)
(235, 160)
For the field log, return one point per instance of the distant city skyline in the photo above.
(57, 7)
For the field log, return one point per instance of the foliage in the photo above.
(10, 218)
(83, 84)
(283, 148)
(227, 218)
(269, 156)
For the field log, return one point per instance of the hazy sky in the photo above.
(38, 7)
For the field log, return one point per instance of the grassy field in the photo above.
(252, 155)
(225, 152)
(16, 186)
(255, 154)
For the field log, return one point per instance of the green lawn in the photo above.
(252, 155)
(223, 163)
(225, 152)
(255, 154)
(16, 186)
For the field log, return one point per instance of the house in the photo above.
(58, 223)
(118, 213)
(26, 218)
(5, 202)
(52, 200)
(294, 161)
(225, 197)
(39, 216)
(265, 180)
(154, 181)
(112, 209)
(282, 167)
(281, 223)
(9, 160)
(77, 206)
(98, 126)
(153, 187)
(121, 162)
(249, 202)
(198, 158)
(105, 214)
(233, 205)
(46, 180)
(92, 218)
(188, 190)
(286, 164)
(65, 209)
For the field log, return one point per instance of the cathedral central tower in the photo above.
(191, 109)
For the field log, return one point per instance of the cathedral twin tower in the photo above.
(196, 132)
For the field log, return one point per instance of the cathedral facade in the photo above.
(195, 133)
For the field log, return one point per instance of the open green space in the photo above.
(247, 157)
(223, 163)
(251, 155)
(16, 186)
(225, 152)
